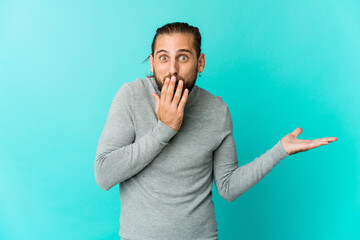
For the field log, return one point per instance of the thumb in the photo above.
(297, 132)
(157, 99)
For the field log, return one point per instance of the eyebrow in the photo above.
(180, 50)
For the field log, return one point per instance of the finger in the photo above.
(183, 101)
(157, 99)
(320, 142)
(312, 145)
(177, 95)
(297, 132)
(329, 139)
(164, 89)
(170, 90)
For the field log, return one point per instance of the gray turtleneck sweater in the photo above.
(166, 176)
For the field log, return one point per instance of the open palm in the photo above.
(293, 145)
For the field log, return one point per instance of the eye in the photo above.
(163, 58)
(183, 58)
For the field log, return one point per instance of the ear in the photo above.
(201, 62)
(151, 63)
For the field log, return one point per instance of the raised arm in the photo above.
(118, 156)
(231, 180)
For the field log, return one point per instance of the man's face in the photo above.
(174, 55)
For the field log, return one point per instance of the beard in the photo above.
(187, 83)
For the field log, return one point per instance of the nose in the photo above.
(174, 68)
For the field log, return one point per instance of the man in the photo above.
(165, 140)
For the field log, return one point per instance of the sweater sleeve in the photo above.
(118, 155)
(231, 180)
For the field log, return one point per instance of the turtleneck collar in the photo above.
(191, 98)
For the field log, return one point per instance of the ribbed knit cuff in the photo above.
(278, 153)
(163, 132)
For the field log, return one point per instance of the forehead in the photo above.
(174, 41)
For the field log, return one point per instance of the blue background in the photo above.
(278, 64)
